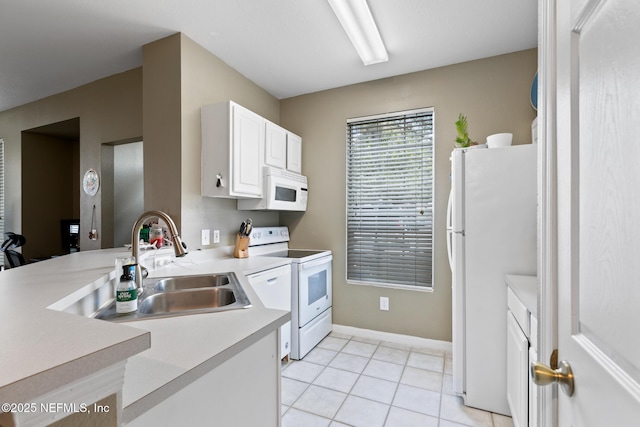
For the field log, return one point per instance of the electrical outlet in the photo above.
(205, 238)
(216, 236)
(384, 303)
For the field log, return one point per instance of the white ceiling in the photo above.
(288, 47)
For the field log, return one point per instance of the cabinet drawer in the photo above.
(519, 311)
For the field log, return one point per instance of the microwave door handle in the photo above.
(315, 263)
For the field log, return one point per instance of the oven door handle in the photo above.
(316, 262)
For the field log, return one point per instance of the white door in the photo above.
(248, 143)
(598, 211)
(294, 153)
(275, 145)
(315, 289)
(517, 372)
(273, 287)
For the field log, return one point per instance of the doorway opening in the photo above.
(50, 186)
(122, 190)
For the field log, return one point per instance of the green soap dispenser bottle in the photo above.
(127, 292)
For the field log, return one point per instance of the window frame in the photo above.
(416, 287)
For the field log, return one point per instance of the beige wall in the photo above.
(493, 93)
(109, 110)
(161, 126)
(179, 77)
(207, 80)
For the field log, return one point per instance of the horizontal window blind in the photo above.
(390, 199)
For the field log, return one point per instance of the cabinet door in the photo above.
(294, 152)
(273, 287)
(275, 145)
(239, 392)
(517, 372)
(247, 142)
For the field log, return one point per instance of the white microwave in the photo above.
(283, 191)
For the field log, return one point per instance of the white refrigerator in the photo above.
(491, 232)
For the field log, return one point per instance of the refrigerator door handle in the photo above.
(449, 248)
(449, 230)
(449, 213)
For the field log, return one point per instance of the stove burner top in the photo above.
(295, 253)
(273, 242)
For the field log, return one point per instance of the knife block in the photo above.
(241, 249)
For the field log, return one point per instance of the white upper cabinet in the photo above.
(236, 145)
(232, 151)
(283, 149)
(275, 145)
(294, 152)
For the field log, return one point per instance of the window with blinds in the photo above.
(390, 199)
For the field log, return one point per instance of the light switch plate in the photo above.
(384, 303)
(206, 238)
(216, 236)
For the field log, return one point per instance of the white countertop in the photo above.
(526, 289)
(185, 347)
(43, 349)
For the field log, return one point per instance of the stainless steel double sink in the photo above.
(182, 295)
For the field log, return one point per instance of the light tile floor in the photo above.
(354, 381)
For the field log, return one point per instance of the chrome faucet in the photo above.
(178, 246)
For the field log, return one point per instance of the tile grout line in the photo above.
(404, 368)
(397, 383)
(354, 383)
(378, 344)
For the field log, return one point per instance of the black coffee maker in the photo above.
(69, 235)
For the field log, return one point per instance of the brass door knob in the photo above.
(544, 375)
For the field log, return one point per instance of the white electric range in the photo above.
(311, 314)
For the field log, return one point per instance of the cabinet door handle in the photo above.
(543, 375)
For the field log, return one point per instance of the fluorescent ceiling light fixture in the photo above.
(358, 23)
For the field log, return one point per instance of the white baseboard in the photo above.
(391, 337)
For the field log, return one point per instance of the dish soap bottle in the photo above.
(126, 291)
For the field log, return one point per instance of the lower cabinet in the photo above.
(274, 290)
(517, 372)
(243, 391)
(522, 330)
